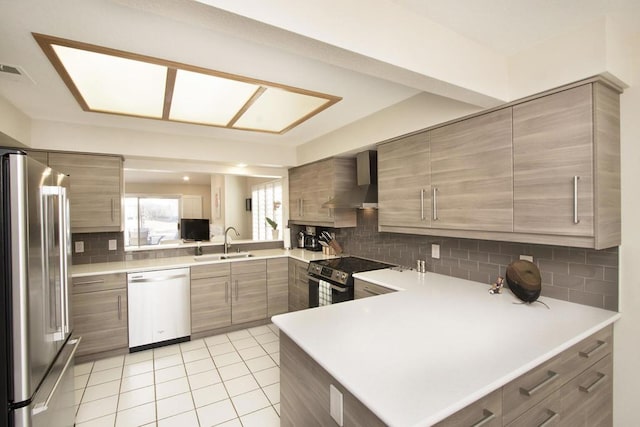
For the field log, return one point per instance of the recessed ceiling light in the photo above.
(241, 165)
(185, 178)
(117, 82)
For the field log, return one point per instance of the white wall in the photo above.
(234, 206)
(15, 126)
(627, 330)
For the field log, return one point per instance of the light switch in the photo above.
(79, 246)
(113, 245)
(527, 258)
(435, 251)
(335, 405)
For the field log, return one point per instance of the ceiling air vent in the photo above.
(14, 73)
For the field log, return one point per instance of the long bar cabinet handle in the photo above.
(435, 203)
(226, 292)
(422, 217)
(487, 417)
(551, 376)
(576, 220)
(587, 354)
(372, 292)
(119, 307)
(589, 389)
(548, 421)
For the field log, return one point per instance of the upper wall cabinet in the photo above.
(545, 169)
(567, 165)
(471, 174)
(96, 190)
(316, 183)
(404, 182)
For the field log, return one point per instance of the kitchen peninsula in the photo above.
(417, 356)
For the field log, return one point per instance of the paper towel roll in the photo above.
(287, 238)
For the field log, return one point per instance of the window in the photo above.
(151, 219)
(266, 202)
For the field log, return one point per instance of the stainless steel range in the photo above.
(331, 280)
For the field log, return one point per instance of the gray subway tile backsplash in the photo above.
(579, 275)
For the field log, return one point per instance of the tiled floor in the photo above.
(225, 380)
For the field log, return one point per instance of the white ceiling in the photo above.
(197, 34)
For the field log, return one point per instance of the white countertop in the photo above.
(417, 356)
(83, 270)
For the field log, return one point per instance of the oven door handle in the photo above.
(339, 289)
(314, 279)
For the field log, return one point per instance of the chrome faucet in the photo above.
(226, 244)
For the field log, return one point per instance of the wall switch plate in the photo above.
(79, 247)
(113, 245)
(527, 258)
(335, 405)
(435, 251)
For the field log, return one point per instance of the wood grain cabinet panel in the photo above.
(364, 289)
(249, 291)
(404, 182)
(471, 174)
(485, 412)
(210, 297)
(95, 190)
(298, 285)
(567, 165)
(547, 413)
(100, 313)
(313, 184)
(277, 286)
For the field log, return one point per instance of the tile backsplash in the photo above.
(96, 248)
(583, 276)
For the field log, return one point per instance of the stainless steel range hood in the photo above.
(365, 194)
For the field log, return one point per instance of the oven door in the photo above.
(323, 292)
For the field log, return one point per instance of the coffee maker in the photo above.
(311, 240)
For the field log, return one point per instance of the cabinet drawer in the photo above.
(210, 270)
(99, 282)
(486, 412)
(547, 413)
(587, 400)
(531, 388)
(584, 354)
(365, 289)
(254, 266)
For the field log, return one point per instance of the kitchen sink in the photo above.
(217, 257)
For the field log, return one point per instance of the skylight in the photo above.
(111, 81)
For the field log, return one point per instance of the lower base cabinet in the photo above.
(249, 291)
(210, 297)
(277, 286)
(100, 313)
(298, 285)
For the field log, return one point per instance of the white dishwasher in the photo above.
(159, 308)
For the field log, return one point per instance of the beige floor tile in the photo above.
(204, 379)
(199, 366)
(250, 402)
(171, 388)
(197, 354)
(106, 421)
(227, 359)
(238, 335)
(192, 345)
(136, 416)
(80, 381)
(266, 417)
(168, 361)
(271, 347)
(267, 338)
(101, 391)
(136, 381)
(273, 393)
(209, 394)
(216, 339)
(174, 405)
(268, 376)
(140, 356)
(96, 409)
(165, 351)
(252, 352)
(218, 349)
(259, 330)
(241, 385)
(245, 343)
(105, 376)
(186, 419)
(260, 363)
(136, 397)
(112, 362)
(82, 369)
(138, 368)
(216, 413)
(233, 371)
(171, 373)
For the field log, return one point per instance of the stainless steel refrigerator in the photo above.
(36, 352)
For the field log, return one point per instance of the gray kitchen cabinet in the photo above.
(249, 291)
(471, 174)
(364, 289)
(404, 182)
(298, 285)
(311, 185)
(567, 165)
(95, 192)
(100, 313)
(210, 297)
(277, 286)
(486, 412)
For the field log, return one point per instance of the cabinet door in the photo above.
(277, 286)
(404, 172)
(364, 289)
(553, 154)
(298, 285)
(249, 287)
(100, 318)
(471, 174)
(210, 303)
(96, 190)
(297, 184)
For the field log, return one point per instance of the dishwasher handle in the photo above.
(143, 279)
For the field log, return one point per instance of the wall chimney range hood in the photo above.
(365, 194)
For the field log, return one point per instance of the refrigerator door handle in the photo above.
(64, 274)
(39, 407)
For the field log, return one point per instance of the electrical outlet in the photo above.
(526, 258)
(79, 246)
(435, 251)
(335, 405)
(113, 245)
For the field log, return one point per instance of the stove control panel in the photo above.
(328, 273)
